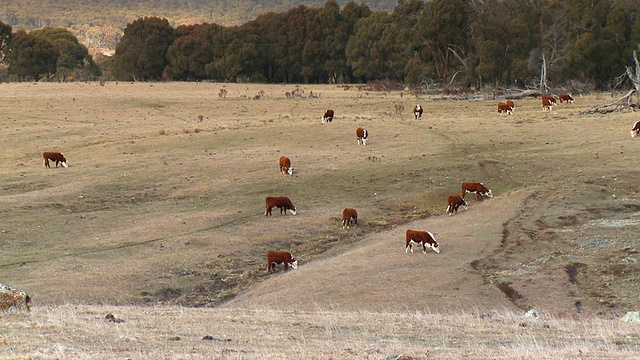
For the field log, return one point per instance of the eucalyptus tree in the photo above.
(141, 53)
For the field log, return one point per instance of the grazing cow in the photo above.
(548, 102)
(12, 300)
(54, 156)
(504, 108)
(281, 202)
(421, 237)
(635, 131)
(417, 112)
(512, 104)
(349, 214)
(280, 257)
(455, 201)
(478, 188)
(565, 97)
(362, 135)
(328, 116)
(285, 166)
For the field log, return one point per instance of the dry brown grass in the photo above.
(161, 207)
(82, 332)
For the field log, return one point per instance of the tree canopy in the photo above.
(447, 42)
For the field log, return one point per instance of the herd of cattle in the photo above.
(548, 102)
(350, 215)
(12, 299)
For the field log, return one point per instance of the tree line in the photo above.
(445, 42)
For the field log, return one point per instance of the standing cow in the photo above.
(54, 156)
(417, 112)
(349, 214)
(362, 135)
(281, 202)
(424, 238)
(478, 188)
(328, 116)
(285, 165)
(280, 257)
(635, 131)
(504, 108)
(454, 202)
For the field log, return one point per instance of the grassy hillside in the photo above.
(99, 24)
(162, 209)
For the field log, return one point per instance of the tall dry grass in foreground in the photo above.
(82, 332)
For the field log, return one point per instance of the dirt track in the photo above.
(378, 275)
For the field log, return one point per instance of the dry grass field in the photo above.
(159, 219)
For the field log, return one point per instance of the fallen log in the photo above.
(623, 103)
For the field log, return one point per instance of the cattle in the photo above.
(54, 156)
(362, 135)
(421, 237)
(512, 104)
(478, 188)
(454, 202)
(566, 98)
(548, 102)
(12, 300)
(281, 202)
(635, 131)
(417, 112)
(328, 116)
(285, 165)
(349, 214)
(504, 108)
(280, 257)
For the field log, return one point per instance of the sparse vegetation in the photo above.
(146, 227)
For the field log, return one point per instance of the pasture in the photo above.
(163, 204)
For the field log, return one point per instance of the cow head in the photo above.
(293, 210)
(465, 205)
(435, 247)
(294, 264)
(634, 133)
(289, 171)
(485, 191)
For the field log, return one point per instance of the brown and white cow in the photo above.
(54, 156)
(285, 165)
(504, 108)
(12, 300)
(328, 116)
(478, 188)
(424, 238)
(635, 131)
(280, 257)
(349, 214)
(417, 112)
(362, 135)
(566, 98)
(548, 102)
(281, 202)
(454, 202)
(512, 104)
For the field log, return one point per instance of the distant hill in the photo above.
(99, 23)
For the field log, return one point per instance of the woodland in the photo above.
(452, 43)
